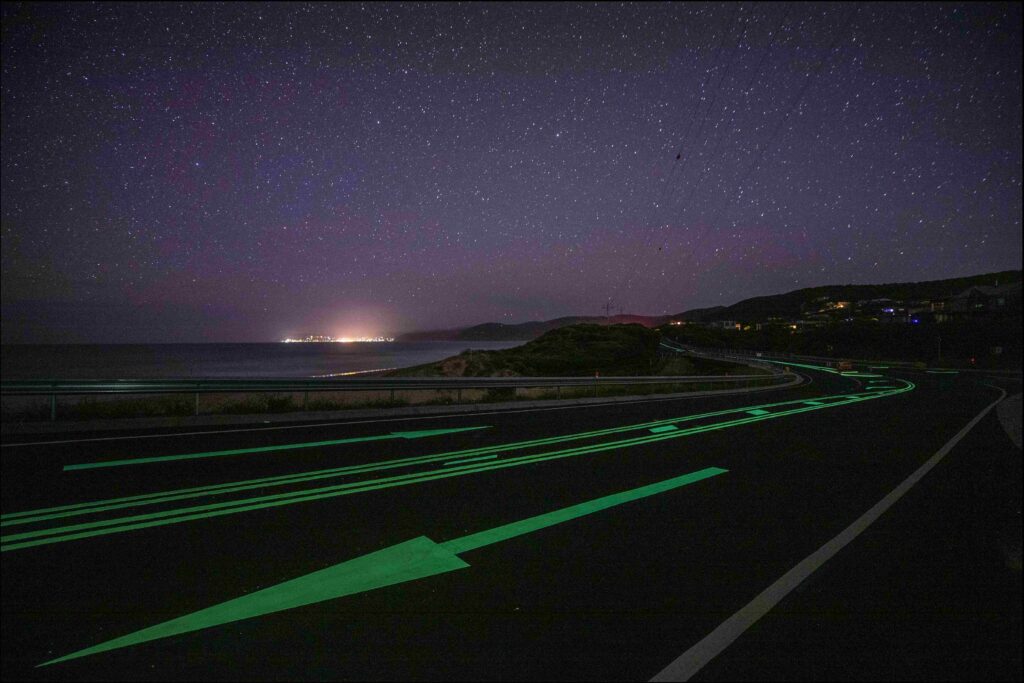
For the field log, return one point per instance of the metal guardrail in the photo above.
(56, 388)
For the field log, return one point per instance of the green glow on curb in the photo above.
(665, 428)
(409, 561)
(267, 449)
(465, 460)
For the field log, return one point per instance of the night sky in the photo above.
(246, 172)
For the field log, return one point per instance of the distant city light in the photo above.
(323, 338)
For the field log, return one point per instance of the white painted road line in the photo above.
(694, 659)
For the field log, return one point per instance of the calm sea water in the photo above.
(166, 361)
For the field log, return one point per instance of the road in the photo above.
(583, 542)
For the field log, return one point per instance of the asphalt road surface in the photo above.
(598, 542)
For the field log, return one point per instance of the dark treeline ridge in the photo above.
(757, 309)
(791, 304)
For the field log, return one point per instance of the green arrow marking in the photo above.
(415, 559)
(407, 561)
(267, 449)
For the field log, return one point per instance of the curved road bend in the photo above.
(574, 543)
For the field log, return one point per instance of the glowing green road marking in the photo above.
(465, 460)
(135, 522)
(814, 403)
(201, 512)
(758, 412)
(267, 449)
(801, 365)
(943, 372)
(665, 428)
(526, 526)
(37, 515)
(409, 561)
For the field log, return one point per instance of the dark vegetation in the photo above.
(577, 351)
(528, 330)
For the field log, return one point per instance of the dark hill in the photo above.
(528, 330)
(791, 305)
(576, 350)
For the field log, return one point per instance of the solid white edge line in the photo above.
(690, 662)
(214, 431)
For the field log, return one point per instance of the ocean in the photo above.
(241, 361)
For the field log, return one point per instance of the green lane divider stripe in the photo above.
(268, 449)
(465, 460)
(177, 494)
(801, 365)
(814, 403)
(408, 561)
(757, 412)
(665, 428)
(578, 450)
(526, 526)
(90, 529)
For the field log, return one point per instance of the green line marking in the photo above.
(267, 449)
(408, 561)
(465, 460)
(800, 365)
(814, 403)
(943, 372)
(526, 526)
(663, 428)
(758, 412)
(144, 521)
(31, 516)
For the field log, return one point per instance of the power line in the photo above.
(811, 76)
(628, 276)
